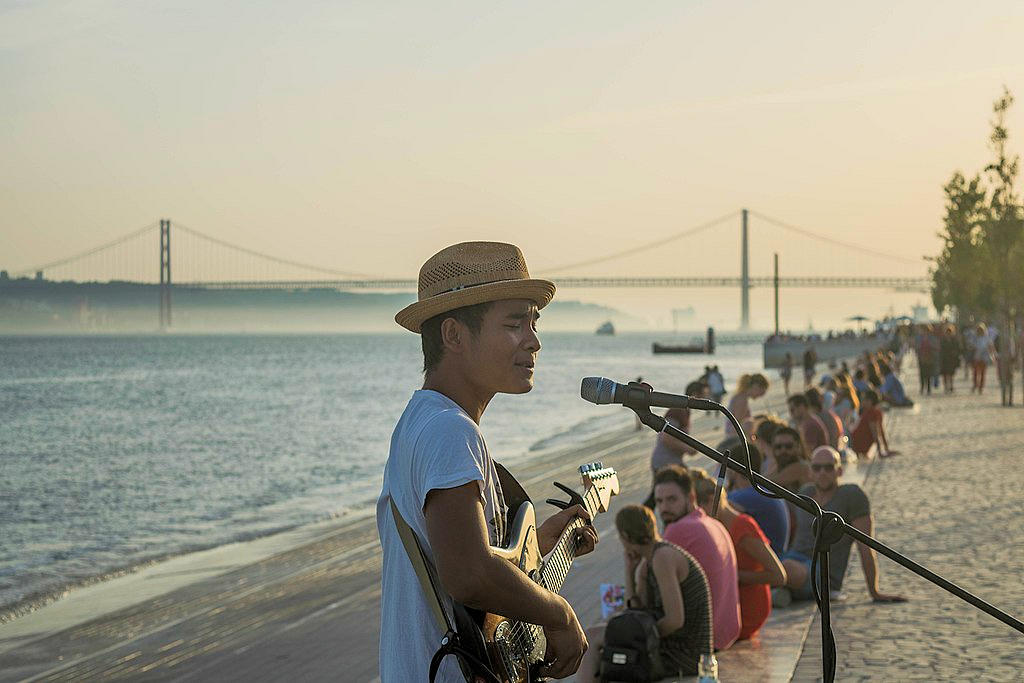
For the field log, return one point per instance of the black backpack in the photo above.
(631, 648)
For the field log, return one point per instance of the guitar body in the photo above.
(514, 650)
(495, 639)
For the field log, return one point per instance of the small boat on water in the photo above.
(606, 328)
(678, 348)
(695, 346)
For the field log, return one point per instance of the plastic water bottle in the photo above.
(707, 669)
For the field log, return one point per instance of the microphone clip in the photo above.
(639, 402)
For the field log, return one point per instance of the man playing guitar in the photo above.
(476, 312)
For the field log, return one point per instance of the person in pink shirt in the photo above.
(690, 528)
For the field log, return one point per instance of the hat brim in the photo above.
(414, 315)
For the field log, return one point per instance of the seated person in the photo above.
(667, 580)
(852, 504)
(758, 567)
(860, 382)
(791, 459)
(828, 417)
(669, 450)
(870, 428)
(892, 389)
(769, 513)
(810, 425)
(687, 526)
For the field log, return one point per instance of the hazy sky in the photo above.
(365, 136)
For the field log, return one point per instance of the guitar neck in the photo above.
(556, 566)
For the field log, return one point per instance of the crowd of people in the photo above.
(727, 562)
(942, 348)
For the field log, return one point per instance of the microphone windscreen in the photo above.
(599, 390)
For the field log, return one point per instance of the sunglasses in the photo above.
(823, 467)
(784, 444)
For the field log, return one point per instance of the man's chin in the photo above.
(520, 388)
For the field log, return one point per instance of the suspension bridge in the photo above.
(202, 261)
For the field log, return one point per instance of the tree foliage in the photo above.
(980, 271)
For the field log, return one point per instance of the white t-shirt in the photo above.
(435, 445)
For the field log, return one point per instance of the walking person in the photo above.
(949, 356)
(476, 315)
(927, 359)
(810, 361)
(984, 353)
(786, 373)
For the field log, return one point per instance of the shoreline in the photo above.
(82, 622)
(329, 522)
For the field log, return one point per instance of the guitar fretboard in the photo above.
(556, 567)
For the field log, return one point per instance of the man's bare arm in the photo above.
(476, 577)
(869, 563)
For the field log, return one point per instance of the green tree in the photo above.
(980, 271)
(955, 274)
(1003, 229)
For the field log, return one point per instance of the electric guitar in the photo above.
(515, 649)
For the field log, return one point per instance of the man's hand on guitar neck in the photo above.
(549, 532)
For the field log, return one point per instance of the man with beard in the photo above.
(690, 528)
(852, 504)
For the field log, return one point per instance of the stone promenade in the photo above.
(951, 501)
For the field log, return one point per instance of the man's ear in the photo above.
(453, 335)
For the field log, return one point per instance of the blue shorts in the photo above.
(804, 592)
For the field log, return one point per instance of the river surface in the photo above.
(119, 450)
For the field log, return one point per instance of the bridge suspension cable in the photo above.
(269, 257)
(830, 240)
(643, 247)
(89, 252)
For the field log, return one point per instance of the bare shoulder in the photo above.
(670, 558)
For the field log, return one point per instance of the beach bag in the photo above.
(631, 648)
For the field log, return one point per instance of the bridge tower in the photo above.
(165, 274)
(744, 278)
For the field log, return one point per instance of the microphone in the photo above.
(601, 390)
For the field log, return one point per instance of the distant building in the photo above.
(39, 275)
(920, 313)
(4, 277)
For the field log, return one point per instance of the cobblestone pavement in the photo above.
(954, 502)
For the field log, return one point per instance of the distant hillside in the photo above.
(42, 306)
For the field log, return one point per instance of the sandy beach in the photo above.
(304, 604)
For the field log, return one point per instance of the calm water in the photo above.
(116, 450)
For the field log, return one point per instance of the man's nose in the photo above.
(533, 341)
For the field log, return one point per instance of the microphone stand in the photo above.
(828, 526)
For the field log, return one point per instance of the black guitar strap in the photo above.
(472, 668)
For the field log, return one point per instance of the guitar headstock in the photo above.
(600, 484)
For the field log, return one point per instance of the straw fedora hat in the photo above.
(471, 273)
